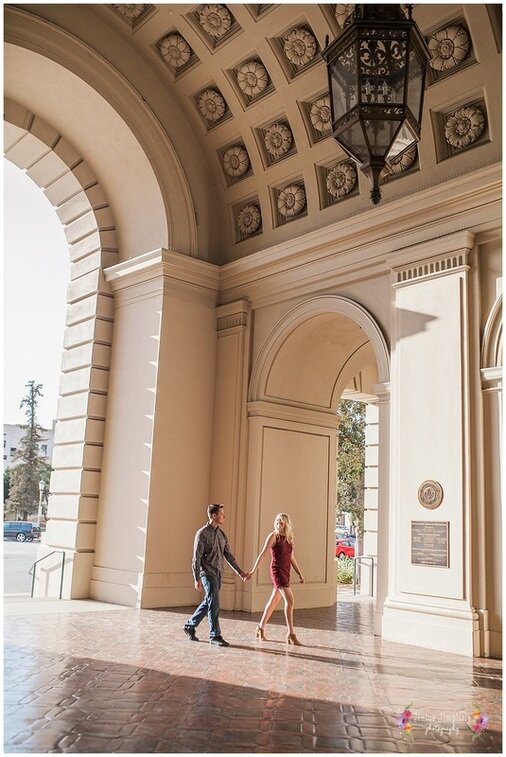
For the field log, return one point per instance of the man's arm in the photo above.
(198, 551)
(229, 557)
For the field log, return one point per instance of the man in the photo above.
(209, 551)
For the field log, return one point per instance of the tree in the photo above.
(7, 486)
(25, 476)
(351, 462)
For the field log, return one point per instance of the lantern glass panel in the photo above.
(343, 77)
(353, 140)
(380, 135)
(382, 69)
(404, 139)
(416, 80)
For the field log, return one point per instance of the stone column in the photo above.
(79, 431)
(492, 457)
(229, 448)
(429, 595)
(157, 448)
(384, 503)
(370, 497)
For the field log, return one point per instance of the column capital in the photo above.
(382, 391)
(153, 272)
(433, 258)
(232, 314)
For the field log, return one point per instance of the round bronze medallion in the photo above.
(430, 494)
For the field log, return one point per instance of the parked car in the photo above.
(21, 530)
(345, 548)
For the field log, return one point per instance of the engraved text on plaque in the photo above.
(429, 543)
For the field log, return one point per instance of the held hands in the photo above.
(246, 575)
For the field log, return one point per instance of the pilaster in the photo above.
(158, 437)
(229, 447)
(429, 599)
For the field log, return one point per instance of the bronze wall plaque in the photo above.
(430, 543)
(430, 494)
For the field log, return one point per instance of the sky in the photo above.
(36, 269)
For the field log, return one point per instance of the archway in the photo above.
(317, 351)
(82, 207)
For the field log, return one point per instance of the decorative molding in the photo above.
(293, 413)
(278, 139)
(249, 219)
(215, 20)
(211, 105)
(215, 23)
(491, 379)
(491, 346)
(133, 14)
(236, 161)
(464, 126)
(300, 47)
(320, 115)
(431, 267)
(291, 200)
(231, 321)
(176, 53)
(251, 80)
(449, 47)
(439, 222)
(164, 264)
(341, 180)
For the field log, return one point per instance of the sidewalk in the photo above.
(95, 678)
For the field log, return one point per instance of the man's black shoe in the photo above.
(219, 641)
(190, 632)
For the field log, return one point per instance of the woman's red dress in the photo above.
(281, 555)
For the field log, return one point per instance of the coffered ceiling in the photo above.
(248, 86)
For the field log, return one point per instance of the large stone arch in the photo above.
(82, 206)
(65, 81)
(309, 358)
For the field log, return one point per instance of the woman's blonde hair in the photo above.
(288, 527)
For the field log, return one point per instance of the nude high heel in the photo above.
(292, 639)
(259, 633)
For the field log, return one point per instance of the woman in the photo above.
(280, 543)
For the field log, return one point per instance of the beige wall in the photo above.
(237, 403)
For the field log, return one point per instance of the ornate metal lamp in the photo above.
(376, 71)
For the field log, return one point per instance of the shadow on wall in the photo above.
(411, 322)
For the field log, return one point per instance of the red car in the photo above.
(345, 548)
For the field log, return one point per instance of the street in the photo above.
(18, 559)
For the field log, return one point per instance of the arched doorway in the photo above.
(80, 203)
(319, 349)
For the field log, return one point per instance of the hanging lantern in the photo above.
(376, 70)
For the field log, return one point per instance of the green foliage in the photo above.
(345, 570)
(350, 461)
(7, 485)
(25, 476)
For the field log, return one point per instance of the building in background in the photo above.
(12, 436)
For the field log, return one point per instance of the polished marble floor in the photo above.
(94, 678)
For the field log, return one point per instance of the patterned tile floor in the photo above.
(121, 680)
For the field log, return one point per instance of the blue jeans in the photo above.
(209, 606)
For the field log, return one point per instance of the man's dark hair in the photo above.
(213, 509)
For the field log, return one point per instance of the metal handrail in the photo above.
(54, 552)
(357, 560)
